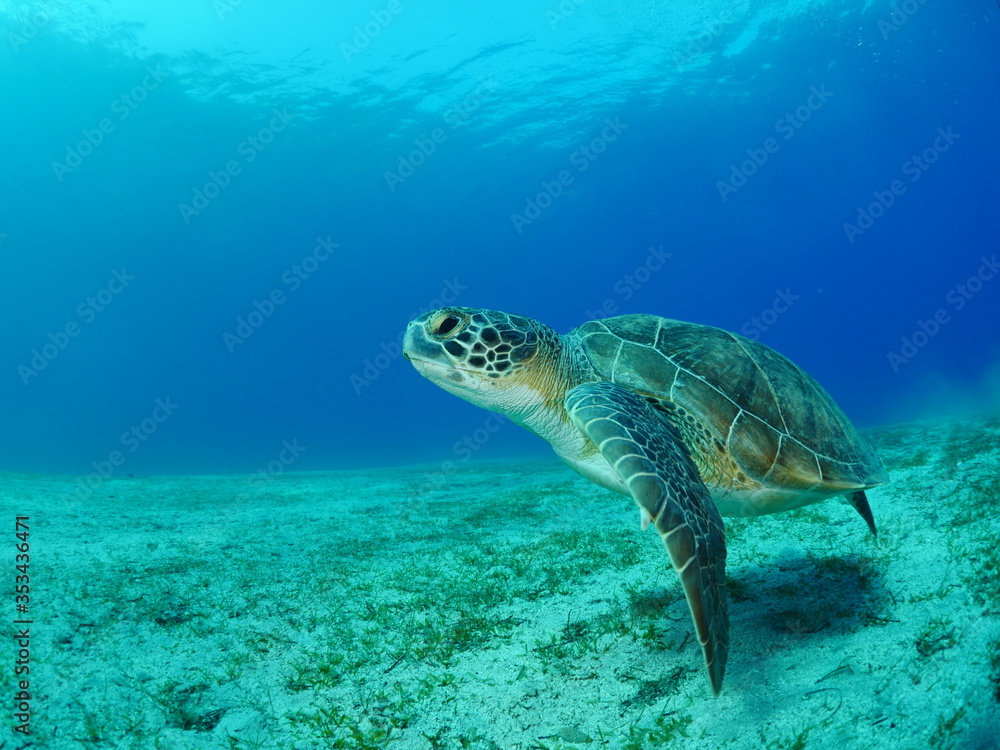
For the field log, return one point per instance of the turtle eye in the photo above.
(446, 325)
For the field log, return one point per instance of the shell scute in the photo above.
(776, 423)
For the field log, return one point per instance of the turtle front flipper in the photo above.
(648, 454)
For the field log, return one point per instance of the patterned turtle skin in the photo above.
(693, 422)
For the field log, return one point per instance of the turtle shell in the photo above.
(737, 398)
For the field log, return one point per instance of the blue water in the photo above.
(122, 287)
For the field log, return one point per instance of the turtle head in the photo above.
(493, 359)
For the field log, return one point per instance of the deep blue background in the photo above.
(551, 90)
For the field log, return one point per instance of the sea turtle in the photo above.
(691, 421)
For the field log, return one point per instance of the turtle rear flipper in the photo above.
(649, 456)
(859, 501)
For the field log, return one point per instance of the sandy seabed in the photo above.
(507, 605)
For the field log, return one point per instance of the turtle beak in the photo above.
(417, 347)
(406, 338)
(409, 337)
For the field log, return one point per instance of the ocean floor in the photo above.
(506, 606)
